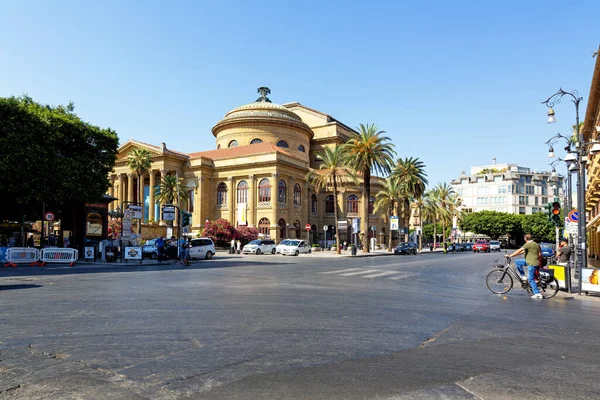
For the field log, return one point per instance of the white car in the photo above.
(494, 245)
(260, 246)
(202, 248)
(296, 247)
(281, 245)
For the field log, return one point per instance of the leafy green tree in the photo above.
(331, 175)
(492, 223)
(170, 191)
(430, 230)
(539, 227)
(139, 161)
(369, 151)
(50, 155)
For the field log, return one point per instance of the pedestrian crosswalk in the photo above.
(369, 273)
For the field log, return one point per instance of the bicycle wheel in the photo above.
(549, 289)
(497, 283)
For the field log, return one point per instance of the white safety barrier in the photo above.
(21, 255)
(58, 255)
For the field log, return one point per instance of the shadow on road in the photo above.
(19, 286)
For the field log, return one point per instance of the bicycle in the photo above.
(501, 281)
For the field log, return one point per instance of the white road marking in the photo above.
(384, 273)
(395, 278)
(367, 271)
(337, 271)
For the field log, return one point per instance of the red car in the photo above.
(481, 245)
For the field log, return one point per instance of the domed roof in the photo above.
(262, 109)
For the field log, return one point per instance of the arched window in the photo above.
(256, 141)
(264, 190)
(301, 148)
(222, 194)
(297, 195)
(282, 228)
(263, 226)
(329, 204)
(371, 204)
(313, 203)
(283, 143)
(281, 191)
(352, 204)
(233, 143)
(94, 224)
(297, 228)
(242, 192)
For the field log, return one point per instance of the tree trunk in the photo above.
(335, 214)
(406, 217)
(140, 201)
(367, 183)
(434, 233)
(421, 229)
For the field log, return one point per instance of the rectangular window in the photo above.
(536, 200)
(530, 189)
(521, 200)
(544, 200)
(190, 201)
(527, 200)
(522, 210)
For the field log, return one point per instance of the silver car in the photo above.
(295, 247)
(494, 245)
(281, 245)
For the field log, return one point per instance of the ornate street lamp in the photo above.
(580, 148)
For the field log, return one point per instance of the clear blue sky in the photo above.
(453, 83)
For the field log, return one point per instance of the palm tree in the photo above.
(420, 203)
(410, 173)
(332, 173)
(455, 208)
(444, 193)
(387, 200)
(367, 151)
(431, 212)
(170, 190)
(139, 161)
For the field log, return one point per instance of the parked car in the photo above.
(295, 247)
(149, 249)
(494, 245)
(547, 249)
(406, 248)
(459, 247)
(260, 246)
(202, 248)
(281, 245)
(481, 245)
(468, 246)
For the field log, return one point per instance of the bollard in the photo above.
(353, 250)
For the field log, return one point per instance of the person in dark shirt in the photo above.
(564, 252)
(160, 245)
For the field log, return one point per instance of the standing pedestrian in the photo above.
(239, 246)
(232, 246)
(564, 252)
(160, 246)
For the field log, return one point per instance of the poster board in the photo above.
(133, 253)
(590, 280)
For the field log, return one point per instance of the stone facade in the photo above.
(256, 175)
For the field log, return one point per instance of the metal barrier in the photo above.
(21, 255)
(58, 255)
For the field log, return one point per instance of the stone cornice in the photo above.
(244, 121)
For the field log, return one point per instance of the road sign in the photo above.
(343, 225)
(168, 213)
(572, 228)
(394, 223)
(136, 211)
(307, 227)
(573, 216)
(325, 227)
(186, 229)
(49, 216)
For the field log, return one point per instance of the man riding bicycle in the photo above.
(533, 254)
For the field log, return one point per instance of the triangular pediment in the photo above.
(155, 151)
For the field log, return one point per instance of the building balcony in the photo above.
(264, 204)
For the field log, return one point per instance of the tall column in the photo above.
(152, 206)
(122, 195)
(290, 203)
(252, 201)
(111, 192)
(231, 200)
(305, 204)
(274, 204)
(163, 173)
(200, 216)
(130, 187)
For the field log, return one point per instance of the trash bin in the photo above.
(353, 250)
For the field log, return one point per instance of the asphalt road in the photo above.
(273, 327)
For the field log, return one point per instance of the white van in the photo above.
(202, 248)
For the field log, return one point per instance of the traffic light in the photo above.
(185, 219)
(556, 214)
(549, 211)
